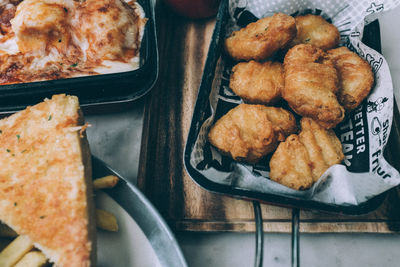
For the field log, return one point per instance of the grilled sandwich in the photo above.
(45, 180)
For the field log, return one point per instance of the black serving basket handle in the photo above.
(258, 260)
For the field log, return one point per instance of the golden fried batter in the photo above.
(249, 132)
(355, 76)
(302, 159)
(311, 85)
(315, 30)
(323, 147)
(258, 83)
(289, 164)
(261, 39)
(283, 122)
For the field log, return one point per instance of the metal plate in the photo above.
(131, 200)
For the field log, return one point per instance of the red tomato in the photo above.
(194, 9)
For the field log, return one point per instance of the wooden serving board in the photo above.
(183, 46)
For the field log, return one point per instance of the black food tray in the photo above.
(202, 111)
(95, 90)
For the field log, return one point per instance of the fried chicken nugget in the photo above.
(315, 30)
(249, 132)
(261, 39)
(289, 164)
(355, 76)
(258, 83)
(302, 159)
(283, 122)
(311, 85)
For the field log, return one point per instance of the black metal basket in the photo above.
(371, 38)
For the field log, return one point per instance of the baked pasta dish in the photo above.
(54, 39)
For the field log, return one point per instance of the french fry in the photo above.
(106, 220)
(6, 231)
(32, 259)
(105, 182)
(15, 251)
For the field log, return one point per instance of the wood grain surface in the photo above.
(183, 46)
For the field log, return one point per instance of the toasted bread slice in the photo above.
(45, 180)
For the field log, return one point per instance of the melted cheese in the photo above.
(9, 46)
(51, 39)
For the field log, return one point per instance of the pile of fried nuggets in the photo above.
(317, 80)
